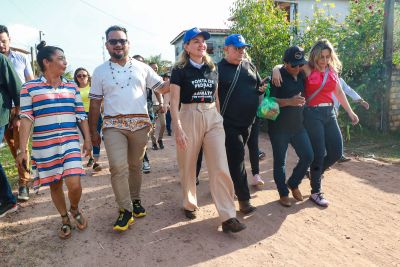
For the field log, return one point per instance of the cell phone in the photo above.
(25, 166)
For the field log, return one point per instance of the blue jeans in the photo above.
(6, 195)
(326, 140)
(302, 145)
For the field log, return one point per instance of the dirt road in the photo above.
(360, 228)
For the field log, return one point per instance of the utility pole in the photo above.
(41, 33)
(387, 59)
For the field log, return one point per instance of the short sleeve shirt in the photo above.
(290, 119)
(197, 85)
(124, 87)
(21, 65)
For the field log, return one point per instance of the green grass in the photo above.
(8, 163)
(367, 143)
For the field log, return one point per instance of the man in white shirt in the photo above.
(356, 98)
(121, 82)
(23, 68)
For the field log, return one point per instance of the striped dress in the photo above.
(54, 112)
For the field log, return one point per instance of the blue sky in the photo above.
(77, 26)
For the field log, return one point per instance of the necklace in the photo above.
(113, 70)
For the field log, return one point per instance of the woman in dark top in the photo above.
(198, 123)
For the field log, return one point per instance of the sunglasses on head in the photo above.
(301, 65)
(81, 76)
(116, 41)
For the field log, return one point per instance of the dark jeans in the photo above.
(301, 144)
(235, 141)
(168, 121)
(6, 195)
(252, 144)
(326, 140)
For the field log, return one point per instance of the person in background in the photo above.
(196, 124)
(356, 98)
(146, 168)
(82, 79)
(53, 105)
(319, 115)
(288, 128)
(159, 113)
(238, 108)
(121, 82)
(10, 86)
(166, 77)
(23, 68)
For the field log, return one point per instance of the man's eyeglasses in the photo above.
(116, 41)
(301, 65)
(81, 76)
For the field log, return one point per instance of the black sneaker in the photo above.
(233, 225)
(7, 208)
(160, 144)
(155, 147)
(124, 220)
(23, 193)
(138, 210)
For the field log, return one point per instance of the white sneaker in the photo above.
(257, 180)
(318, 198)
(146, 167)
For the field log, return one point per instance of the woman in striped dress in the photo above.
(53, 105)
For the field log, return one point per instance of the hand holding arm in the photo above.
(94, 113)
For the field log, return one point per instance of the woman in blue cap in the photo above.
(198, 124)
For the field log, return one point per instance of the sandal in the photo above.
(81, 221)
(66, 228)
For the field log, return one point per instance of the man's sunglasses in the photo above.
(81, 76)
(301, 65)
(116, 41)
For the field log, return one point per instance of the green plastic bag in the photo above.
(269, 108)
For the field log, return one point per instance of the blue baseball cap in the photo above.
(236, 40)
(192, 33)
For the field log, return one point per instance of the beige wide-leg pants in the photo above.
(203, 125)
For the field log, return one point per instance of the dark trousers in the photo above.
(6, 195)
(252, 144)
(168, 120)
(235, 141)
(326, 140)
(198, 163)
(301, 144)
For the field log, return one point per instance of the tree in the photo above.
(164, 66)
(265, 27)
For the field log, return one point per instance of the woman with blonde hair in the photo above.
(319, 115)
(198, 124)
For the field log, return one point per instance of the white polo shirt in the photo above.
(123, 88)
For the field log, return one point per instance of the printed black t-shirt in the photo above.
(290, 118)
(197, 85)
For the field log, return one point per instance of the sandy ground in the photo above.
(360, 228)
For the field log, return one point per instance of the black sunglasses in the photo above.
(116, 41)
(301, 65)
(81, 76)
